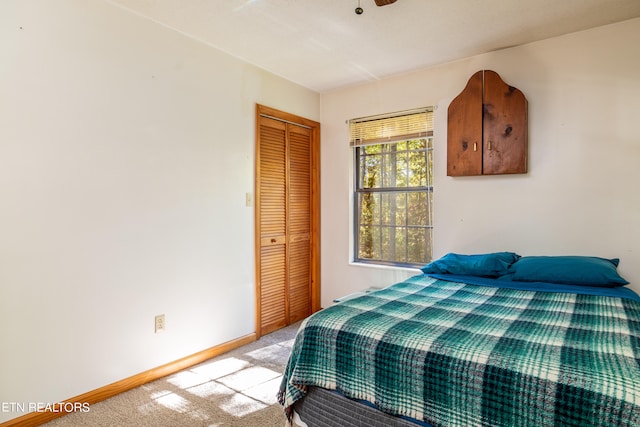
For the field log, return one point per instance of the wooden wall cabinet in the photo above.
(487, 128)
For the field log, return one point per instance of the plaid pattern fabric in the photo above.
(453, 354)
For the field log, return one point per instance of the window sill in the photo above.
(414, 270)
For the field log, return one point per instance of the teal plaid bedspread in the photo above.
(453, 354)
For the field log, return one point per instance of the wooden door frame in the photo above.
(262, 111)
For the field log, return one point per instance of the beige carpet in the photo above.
(235, 389)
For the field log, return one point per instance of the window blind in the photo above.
(390, 128)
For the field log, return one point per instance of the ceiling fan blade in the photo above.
(384, 2)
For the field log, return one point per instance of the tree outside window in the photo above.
(393, 221)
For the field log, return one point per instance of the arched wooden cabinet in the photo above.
(487, 128)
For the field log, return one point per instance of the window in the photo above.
(393, 220)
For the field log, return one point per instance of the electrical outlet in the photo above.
(159, 323)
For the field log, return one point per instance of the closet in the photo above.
(287, 219)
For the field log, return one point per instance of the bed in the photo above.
(497, 347)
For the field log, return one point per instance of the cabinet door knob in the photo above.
(475, 146)
(273, 240)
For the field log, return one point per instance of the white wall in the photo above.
(126, 150)
(580, 195)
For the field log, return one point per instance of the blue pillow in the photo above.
(568, 270)
(484, 265)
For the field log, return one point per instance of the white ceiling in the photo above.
(323, 44)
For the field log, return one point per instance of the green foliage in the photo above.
(394, 202)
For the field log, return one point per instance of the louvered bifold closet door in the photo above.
(299, 222)
(273, 222)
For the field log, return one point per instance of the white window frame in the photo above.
(384, 132)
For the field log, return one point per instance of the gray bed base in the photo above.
(325, 408)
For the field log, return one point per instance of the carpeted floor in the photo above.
(234, 389)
